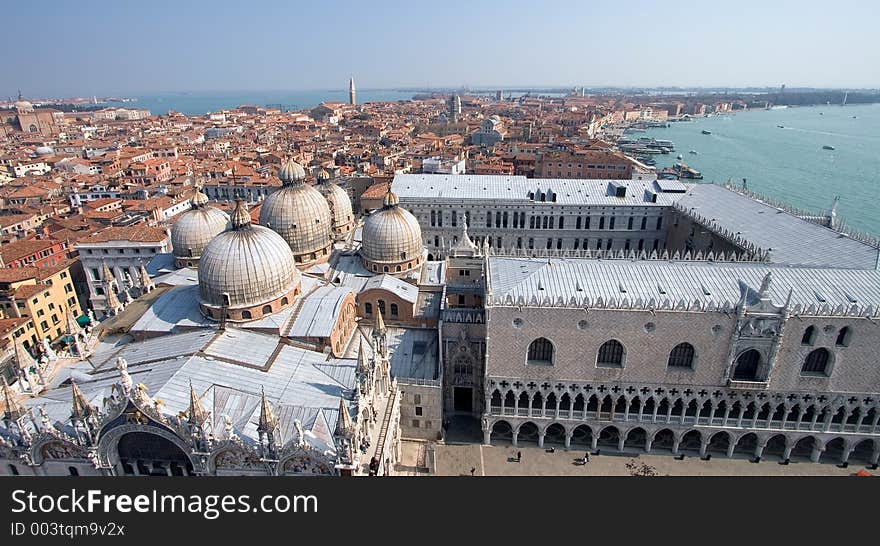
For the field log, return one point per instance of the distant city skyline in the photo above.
(110, 48)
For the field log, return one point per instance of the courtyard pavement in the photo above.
(459, 459)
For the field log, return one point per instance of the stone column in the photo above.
(704, 446)
(726, 414)
(540, 439)
(487, 435)
(654, 415)
(817, 452)
(648, 442)
(594, 442)
(621, 442)
(711, 413)
(641, 410)
(675, 442)
(731, 448)
(815, 419)
(875, 420)
(847, 451)
(513, 441)
(826, 424)
(786, 455)
(875, 456)
(759, 450)
(567, 440)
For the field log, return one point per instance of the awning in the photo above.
(82, 320)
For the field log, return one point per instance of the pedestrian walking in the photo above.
(586, 457)
(518, 456)
(473, 469)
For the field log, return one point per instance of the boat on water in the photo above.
(781, 126)
(706, 132)
(694, 152)
(678, 157)
(684, 171)
(826, 147)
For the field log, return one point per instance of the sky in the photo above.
(55, 48)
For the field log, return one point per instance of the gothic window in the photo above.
(393, 309)
(587, 223)
(843, 337)
(454, 218)
(747, 366)
(682, 356)
(531, 222)
(611, 223)
(610, 354)
(809, 336)
(659, 223)
(504, 220)
(541, 352)
(601, 222)
(629, 223)
(433, 218)
(817, 362)
(381, 306)
(577, 223)
(644, 222)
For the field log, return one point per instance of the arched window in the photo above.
(246, 314)
(817, 362)
(747, 366)
(610, 354)
(267, 309)
(393, 309)
(809, 336)
(541, 352)
(368, 308)
(843, 337)
(284, 300)
(682, 356)
(382, 306)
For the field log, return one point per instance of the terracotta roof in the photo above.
(17, 274)
(24, 248)
(136, 234)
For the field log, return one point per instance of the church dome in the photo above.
(300, 214)
(341, 214)
(248, 270)
(392, 239)
(194, 229)
(24, 106)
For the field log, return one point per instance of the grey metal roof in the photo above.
(428, 187)
(394, 285)
(299, 383)
(791, 240)
(414, 353)
(319, 312)
(525, 279)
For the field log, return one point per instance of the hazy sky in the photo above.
(63, 48)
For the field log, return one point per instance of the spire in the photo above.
(106, 275)
(197, 414)
(13, 411)
(113, 304)
(268, 423)
(352, 94)
(241, 218)
(146, 281)
(379, 326)
(81, 407)
(23, 357)
(343, 425)
(363, 366)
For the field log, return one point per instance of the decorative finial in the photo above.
(197, 414)
(291, 173)
(241, 218)
(391, 199)
(765, 284)
(199, 199)
(344, 427)
(14, 411)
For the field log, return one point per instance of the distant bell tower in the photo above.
(352, 97)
